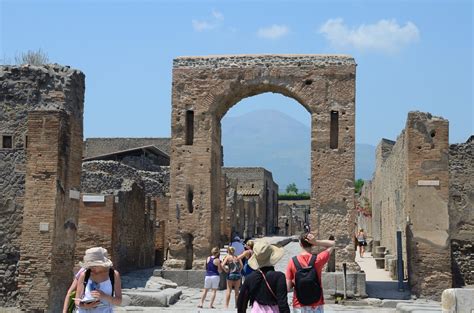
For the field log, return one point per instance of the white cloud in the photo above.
(273, 32)
(200, 26)
(385, 35)
(218, 15)
(211, 23)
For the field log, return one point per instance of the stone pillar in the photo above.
(332, 165)
(53, 174)
(429, 261)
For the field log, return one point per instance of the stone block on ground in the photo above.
(189, 278)
(333, 284)
(156, 282)
(388, 257)
(380, 249)
(418, 308)
(380, 263)
(147, 298)
(457, 300)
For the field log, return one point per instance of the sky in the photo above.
(411, 55)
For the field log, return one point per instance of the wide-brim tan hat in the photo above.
(96, 256)
(265, 254)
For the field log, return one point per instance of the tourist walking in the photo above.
(245, 256)
(304, 274)
(213, 268)
(233, 267)
(98, 287)
(265, 288)
(237, 245)
(361, 242)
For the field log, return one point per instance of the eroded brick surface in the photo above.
(204, 89)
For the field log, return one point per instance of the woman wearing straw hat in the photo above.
(99, 287)
(265, 288)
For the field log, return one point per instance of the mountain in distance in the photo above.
(282, 145)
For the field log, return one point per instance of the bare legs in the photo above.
(232, 284)
(203, 298)
(213, 297)
(361, 251)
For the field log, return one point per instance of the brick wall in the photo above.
(95, 226)
(133, 231)
(50, 211)
(23, 89)
(161, 243)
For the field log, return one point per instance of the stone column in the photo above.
(332, 163)
(429, 261)
(53, 174)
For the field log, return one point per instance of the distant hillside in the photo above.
(281, 144)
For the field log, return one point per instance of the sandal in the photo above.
(200, 306)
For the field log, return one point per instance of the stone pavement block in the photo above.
(418, 308)
(458, 300)
(146, 298)
(333, 283)
(189, 278)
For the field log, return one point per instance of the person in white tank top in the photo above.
(99, 296)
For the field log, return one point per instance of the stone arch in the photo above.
(205, 88)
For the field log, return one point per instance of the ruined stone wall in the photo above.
(133, 231)
(108, 176)
(100, 146)
(461, 211)
(95, 227)
(151, 162)
(410, 193)
(250, 208)
(259, 180)
(134, 218)
(390, 191)
(364, 214)
(57, 91)
(428, 250)
(161, 242)
(383, 151)
(12, 181)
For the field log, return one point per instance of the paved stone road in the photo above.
(190, 298)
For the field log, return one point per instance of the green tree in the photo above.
(32, 57)
(358, 185)
(291, 188)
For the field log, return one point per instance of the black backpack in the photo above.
(307, 287)
(111, 277)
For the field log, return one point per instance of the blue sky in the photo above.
(411, 55)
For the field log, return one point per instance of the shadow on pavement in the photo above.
(386, 290)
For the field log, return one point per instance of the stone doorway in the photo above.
(205, 88)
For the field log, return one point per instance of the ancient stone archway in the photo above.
(205, 88)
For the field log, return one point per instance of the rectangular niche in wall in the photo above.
(190, 198)
(334, 131)
(7, 142)
(189, 127)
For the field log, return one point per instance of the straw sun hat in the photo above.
(265, 254)
(96, 256)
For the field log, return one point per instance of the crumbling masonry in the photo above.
(410, 193)
(204, 89)
(41, 110)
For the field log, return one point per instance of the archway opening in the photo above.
(266, 140)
